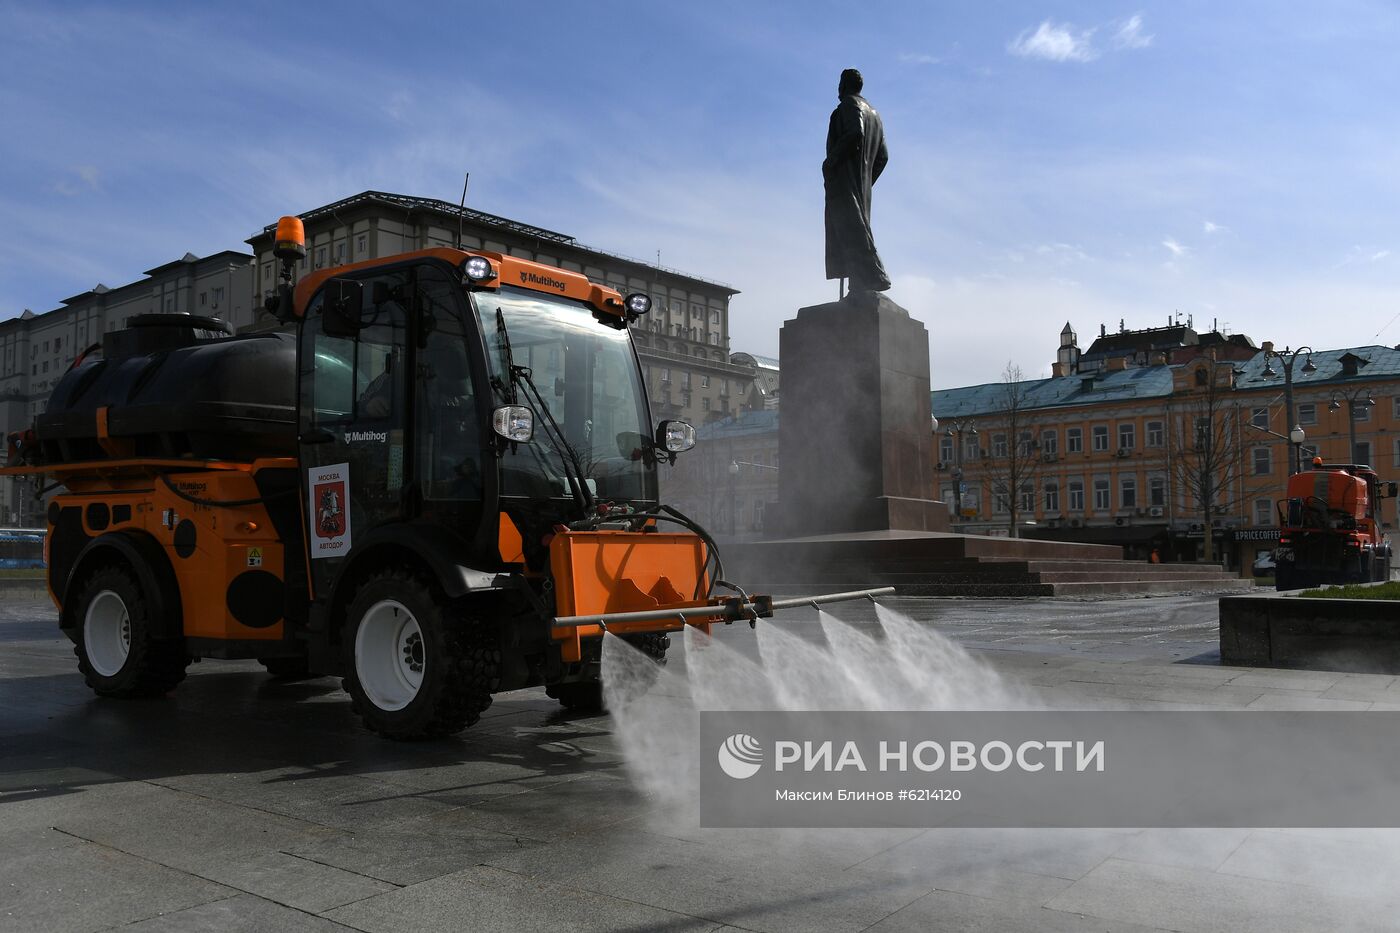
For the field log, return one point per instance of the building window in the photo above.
(1127, 492)
(1127, 436)
(1202, 432)
(1307, 414)
(1076, 495)
(1259, 417)
(945, 449)
(1052, 496)
(1049, 443)
(1263, 461)
(1362, 452)
(1027, 497)
(1202, 377)
(970, 449)
(1100, 437)
(685, 380)
(1101, 494)
(1001, 501)
(203, 296)
(1361, 412)
(704, 381)
(1157, 491)
(320, 257)
(714, 317)
(705, 403)
(1074, 440)
(665, 374)
(361, 243)
(1263, 511)
(998, 445)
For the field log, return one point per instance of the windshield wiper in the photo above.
(573, 467)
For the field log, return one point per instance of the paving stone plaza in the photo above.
(241, 803)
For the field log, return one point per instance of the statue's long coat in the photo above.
(855, 157)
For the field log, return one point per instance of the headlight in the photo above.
(637, 303)
(675, 436)
(514, 422)
(478, 269)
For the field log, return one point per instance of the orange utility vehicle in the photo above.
(438, 479)
(1331, 527)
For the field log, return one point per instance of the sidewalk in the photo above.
(244, 804)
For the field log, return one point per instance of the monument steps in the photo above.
(936, 564)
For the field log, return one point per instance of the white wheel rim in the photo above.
(107, 633)
(390, 655)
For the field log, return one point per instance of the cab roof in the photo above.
(509, 270)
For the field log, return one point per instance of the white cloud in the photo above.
(1176, 249)
(1130, 34)
(1056, 43)
(1361, 256)
(84, 178)
(1210, 226)
(919, 58)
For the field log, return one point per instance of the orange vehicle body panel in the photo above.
(509, 542)
(1340, 491)
(509, 270)
(209, 547)
(620, 571)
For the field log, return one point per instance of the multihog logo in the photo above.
(740, 756)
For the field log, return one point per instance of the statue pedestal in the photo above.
(855, 439)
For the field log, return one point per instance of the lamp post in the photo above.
(955, 431)
(1296, 438)
(1354, 400)
(733, 498)
(1288, 358)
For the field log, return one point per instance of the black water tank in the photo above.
(176, 385)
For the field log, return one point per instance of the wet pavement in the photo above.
(242, 803)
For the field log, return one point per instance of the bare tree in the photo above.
(1013, 454)
(1205, 449)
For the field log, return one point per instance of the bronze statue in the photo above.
(855, 157)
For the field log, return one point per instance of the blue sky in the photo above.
(1052, 161)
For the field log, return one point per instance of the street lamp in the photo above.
(1354, 400)
(955, 432)
(1296, 438)
(733, 498)
(1288, 358)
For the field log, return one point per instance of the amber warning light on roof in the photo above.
(290, 243)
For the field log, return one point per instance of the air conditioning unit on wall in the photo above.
(1155, 511)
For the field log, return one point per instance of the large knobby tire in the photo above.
(587, 695)
(118, 654)
(418, 668)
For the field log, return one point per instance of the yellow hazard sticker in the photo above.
(254, 557)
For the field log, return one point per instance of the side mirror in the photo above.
(342, 308)
(1391, 490)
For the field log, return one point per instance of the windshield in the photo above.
(586, 374)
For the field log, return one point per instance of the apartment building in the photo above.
(1113, 450)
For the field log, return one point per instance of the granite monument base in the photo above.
(855, 439)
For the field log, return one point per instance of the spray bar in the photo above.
(730, 609)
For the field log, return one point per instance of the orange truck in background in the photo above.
(1331, 528)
